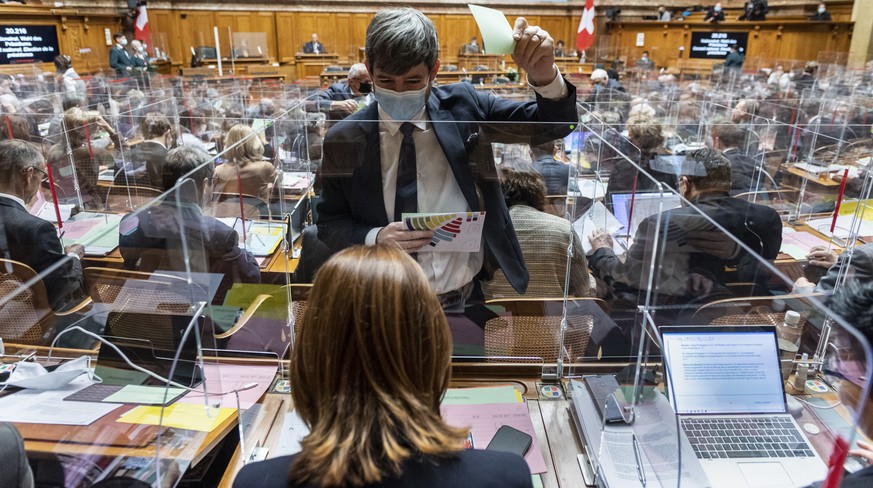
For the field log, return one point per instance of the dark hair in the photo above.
(18, 125)
(399, 39)
(183, 160)
(523, 188)
(717, 169)
(730, 135)
(63, 63)
(155, 125)
(70, 100)
(117, 36)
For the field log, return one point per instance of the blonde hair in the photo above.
(243, 145)
(645, 132)
(369, 366)
(75, 120)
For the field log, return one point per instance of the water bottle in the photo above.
(788, 334)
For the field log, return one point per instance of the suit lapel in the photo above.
(453, 147)
(371, 165)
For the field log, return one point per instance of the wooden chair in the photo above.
(137, 291)
(529, 329)
(26, 317)
(122, 199)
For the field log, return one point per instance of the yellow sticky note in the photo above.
(179, 415)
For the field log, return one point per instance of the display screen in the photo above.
(716, 45)
(28, 44)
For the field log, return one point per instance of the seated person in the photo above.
(743, 114)
(374, 419)
(543, 238)
(556, 174)
(755, 10)
(147, 158)
(646, 138)
(664, 15)
(730, 139)
(714, 14)
(472, 47)
(601, 80)
(151, 239)
(821, 14)
(338, 99)
(559, 49)
(31, 240)
(313, 46)
(245, 171)
(645, 62)
(693, 254)
(80, 150)
(853, 303)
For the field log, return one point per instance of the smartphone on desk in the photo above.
(510, 439)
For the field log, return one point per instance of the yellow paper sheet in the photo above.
(179, 415)
(496, 31)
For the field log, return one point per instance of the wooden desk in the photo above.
(313, 64)
(469, 61)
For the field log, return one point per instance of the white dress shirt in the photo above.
(438, 190)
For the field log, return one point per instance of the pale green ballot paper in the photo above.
(496, 31)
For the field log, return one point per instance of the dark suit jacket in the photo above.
(474, 468)
(119, 60)
(823, 17)
(859, 479)
(309, 47)
(151, 239)
(336, 92)
(143, 167)
(711, 14)
(351, 172)
(35, 242)
(681, 229)
(555, 174)
(860, 269)
(742, 171)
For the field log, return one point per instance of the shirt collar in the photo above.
(419, 120)
(14, 199)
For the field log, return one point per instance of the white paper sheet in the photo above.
(293, 431)
(49, 407)
(596, 217)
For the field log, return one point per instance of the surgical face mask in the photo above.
(123, 41)
(35, 376)
(821, 10)
(401, 105)
(365, 88)
(717, 9)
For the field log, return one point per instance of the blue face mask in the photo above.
(400, 105)
(717, 9)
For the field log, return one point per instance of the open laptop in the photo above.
(644, 205)
(153, 350)
(725, 384)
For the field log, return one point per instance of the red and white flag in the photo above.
(585, 32)
(141, 27)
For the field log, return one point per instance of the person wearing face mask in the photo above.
(152, 238)
(119, 58)
(695, 252)
(821, 14)
(754, 10)
(29, 239)
(424, 148)
(714, 14)
(340, 99)
(645, 62)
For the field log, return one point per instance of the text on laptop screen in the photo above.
(724, 372)
(645, 205)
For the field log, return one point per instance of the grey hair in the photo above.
(357, 69)
(184, 160)
(400, 39)
(16, 156)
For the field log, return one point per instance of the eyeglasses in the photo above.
(45, 175)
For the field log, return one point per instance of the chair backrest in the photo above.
(27, 317)
(136, 291)
(228, 205)
(121, 198)
(529, 329)
(750, 310)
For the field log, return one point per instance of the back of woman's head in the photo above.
(369, 366)
(243, 145)
(645, 132)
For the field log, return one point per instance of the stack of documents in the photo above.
(798, 243)
(98, 232)
(49, 407)
(261, 238)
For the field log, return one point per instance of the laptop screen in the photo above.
(645, 205)
(723, 370)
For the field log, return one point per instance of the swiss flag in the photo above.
(585, 32)
(141, 27)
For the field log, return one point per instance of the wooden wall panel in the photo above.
(286, 23)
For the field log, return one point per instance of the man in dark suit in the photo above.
(31, 240)
(313, 46)
(714, 14)
(821, 14)
(119, 59)
(146, 160)
(338, 100)
(731, 138)
(556, 174)
(692, 253)
(755, 10)
(452, 167)
(152, 239)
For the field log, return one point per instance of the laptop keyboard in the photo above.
(94, 393)
(752, 437)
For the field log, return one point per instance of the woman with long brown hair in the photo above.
(369, 367)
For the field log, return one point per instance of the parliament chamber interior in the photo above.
(343, 243)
